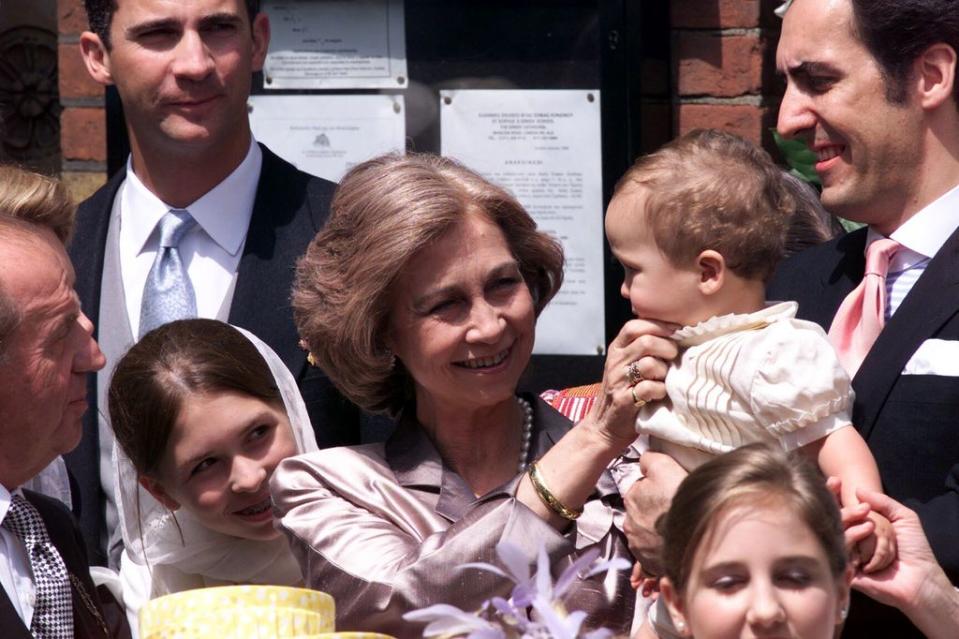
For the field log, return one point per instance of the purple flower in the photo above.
(500, 618)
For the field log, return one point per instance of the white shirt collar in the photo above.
(926, 231)
(218, 212)
(6, 496)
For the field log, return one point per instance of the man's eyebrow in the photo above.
(150, 25)
(805, 69)
(220, 18)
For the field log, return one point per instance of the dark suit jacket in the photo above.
(290, 207)
(66, 537)
(911, 422)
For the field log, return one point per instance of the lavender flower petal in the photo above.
(445, 619)
(488, 568)
(544, 580)
(515, 560)
(571, 574)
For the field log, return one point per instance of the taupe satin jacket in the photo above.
(383, 528)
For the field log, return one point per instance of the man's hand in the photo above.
(645, 502)
(900, 583)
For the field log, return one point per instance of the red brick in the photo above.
(75, 82)
(83, 134)
(715, 14)
(743, 119)
(71, 16)
(721, 66)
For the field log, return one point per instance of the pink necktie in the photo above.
(861, 315)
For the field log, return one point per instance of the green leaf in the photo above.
(800, 158)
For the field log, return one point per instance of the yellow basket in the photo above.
(241, 612)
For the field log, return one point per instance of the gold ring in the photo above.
(633, 373)
(636, 401)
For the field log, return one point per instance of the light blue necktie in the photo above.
(168, 294)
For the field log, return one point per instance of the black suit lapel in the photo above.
(841, 280)
(931, 302)
(86, 248)
(13, 627)
(276, 238)
(821, 277)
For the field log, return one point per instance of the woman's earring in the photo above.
(844, 611)
(680, 627)
(309, 355)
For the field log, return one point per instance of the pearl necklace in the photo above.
(527, 410)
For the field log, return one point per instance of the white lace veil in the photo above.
(155, 539)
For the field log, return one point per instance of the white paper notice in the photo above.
(544, 146)
(327, 134)
(335, 44)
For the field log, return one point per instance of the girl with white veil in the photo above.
(202, 413)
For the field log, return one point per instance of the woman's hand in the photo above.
(572, 467)
(647, 344)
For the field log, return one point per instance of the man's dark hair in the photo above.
(100, 15)
(896, 32)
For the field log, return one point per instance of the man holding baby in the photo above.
(871, 87)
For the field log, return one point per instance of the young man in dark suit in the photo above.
(871, 86)
(183, 71)
(46, 351)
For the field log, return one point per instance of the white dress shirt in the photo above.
(15, 573)
(210, 252)
(921, 237)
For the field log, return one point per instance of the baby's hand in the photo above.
(640, 580)
(878, 550)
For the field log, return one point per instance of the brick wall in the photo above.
(83, 121)
(724, 63)
(723, 66)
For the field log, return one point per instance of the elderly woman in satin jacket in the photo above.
(419, 300)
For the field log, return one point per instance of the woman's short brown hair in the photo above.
(755, 474)
(383, 213)
(714, 190)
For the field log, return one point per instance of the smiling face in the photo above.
(655, 287)
(462, 318)
(222, 451)
(183, 71)
(44, 364)
(869, 149)
(759, 572)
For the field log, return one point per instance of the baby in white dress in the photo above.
(699, 226)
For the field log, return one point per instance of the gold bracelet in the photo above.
(549, 498)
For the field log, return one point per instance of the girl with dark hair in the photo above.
(202, 412)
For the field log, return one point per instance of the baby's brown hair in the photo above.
(710, 189)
